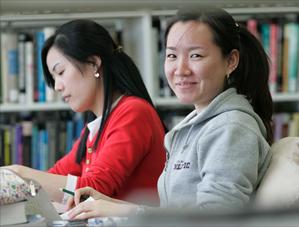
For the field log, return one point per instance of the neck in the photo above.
(99, 109)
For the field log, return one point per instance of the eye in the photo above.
(172, 56)
(61, 72)
(196, 56)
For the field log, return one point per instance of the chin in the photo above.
(185, 100)
(76, 109)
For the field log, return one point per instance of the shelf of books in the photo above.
(34, 106)
(37, 139)
(25, 99)
(22, 38)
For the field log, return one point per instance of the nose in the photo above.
(58, 85)
(183, 68)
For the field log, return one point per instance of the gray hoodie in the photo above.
(215, 158)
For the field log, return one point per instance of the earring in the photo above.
(97, 75)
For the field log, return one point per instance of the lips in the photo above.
(66, 98)
(185, 84)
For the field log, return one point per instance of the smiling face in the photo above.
(79, 88)
(194, 65)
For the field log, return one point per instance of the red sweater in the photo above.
(129, 157)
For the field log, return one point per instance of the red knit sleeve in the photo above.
(127, 139)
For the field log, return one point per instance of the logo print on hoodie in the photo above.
(180, 164)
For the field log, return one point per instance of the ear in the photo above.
(96, 61)
(233, 61)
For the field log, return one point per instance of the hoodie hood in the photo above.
(226, 101)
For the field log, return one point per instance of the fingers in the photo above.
(83, 193)
(100, 208)
(75, 211)
(70, 203)
(85, 215)
(81, 211)
(77, 196)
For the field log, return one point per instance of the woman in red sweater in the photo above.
(120, 153)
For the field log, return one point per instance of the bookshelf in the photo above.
(34, 107)
(169, 102)
(140, 39)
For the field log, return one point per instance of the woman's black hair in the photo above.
(251, 76)
(81, 39)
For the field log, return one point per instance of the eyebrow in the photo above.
(54, 67)
(189, 48)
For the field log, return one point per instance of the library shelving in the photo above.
(139, 31)
(140, 40)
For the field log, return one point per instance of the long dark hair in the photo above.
(251, 76)
(80, 39)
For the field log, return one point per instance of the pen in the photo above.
(67, 191)
(82, 198)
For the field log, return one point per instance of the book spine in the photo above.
(26, 138)
(265, 36)
(69, 135)
(279, 56)
(51, 127)
(13, 150)
(10, 66)
(285, 81)
(273, 57)
(41, 86)
(43, 148)
(293, 36)
(19, 144)
(7, 146)
(29, 71)
(252, 26)
(50, 93)
(21, 63)
(34, 145)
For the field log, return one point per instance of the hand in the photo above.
(86, 192)
(101, 208)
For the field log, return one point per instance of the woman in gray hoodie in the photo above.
(218, 154)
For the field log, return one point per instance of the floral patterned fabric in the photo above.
(12, 187)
